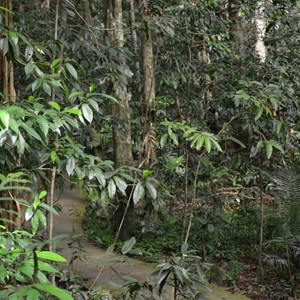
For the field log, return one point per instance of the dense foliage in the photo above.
(180, 121)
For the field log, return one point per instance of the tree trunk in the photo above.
(149, 139)
(6, 67)
(236, 26)
(260, 24)
(120, 111)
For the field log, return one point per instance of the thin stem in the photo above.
(185, 196)
(261, 225)
(193, 200)
(50, 224)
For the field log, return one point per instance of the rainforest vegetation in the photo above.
(178, 120)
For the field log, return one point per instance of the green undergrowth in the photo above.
(233, 237)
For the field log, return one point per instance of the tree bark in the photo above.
(6, 67)
(260, 24)
(149, 139)
(120, 111)
(236, 26)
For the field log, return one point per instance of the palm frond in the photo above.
(275, 261)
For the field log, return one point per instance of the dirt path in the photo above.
(98, 267)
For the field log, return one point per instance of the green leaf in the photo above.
(188, 132)
(43, 123)
(110, 249)
(207, 144)
(32, 132)
(35, 224)
(49, 208)
(151, 189)
(100, 177)
(277, 146)
(4, 118)
(104, 199)
(87, 112)
(94, 104)
(55, 105)
(184, 248)
(21, 143)
(74, 94)
(259, 113)
(236, 141)
(74, 111)
(4, 46)
(147, 173)
(53, 290)
(121, 184)
(47, 88)
(72, 121)
(217, 145)
(109, 97)
(200, 142)
(29, 68)
(37, 84)
(70, 165)
(43, 266)
(138, 193)
(53, 156)
(278, 127)
(269, 149)
(50, 256)
(55, 63)
(72, 70)
(42, 218)
(7, 10)
(128, 245)
(33, 294)
(42, 194)
(29, 213)
(111, 189)
(163, 140)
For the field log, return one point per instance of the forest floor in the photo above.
(97, 267)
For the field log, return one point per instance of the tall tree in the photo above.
(120, 111)
(149, 139)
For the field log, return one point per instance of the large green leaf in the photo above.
(70, 165)
(4, 118)
(111, 189)
(50, 256)
(53, 290)
(71, 70)
(128, 245)
(43, 124)
(32, 132)
(87, 112)
(138, 193)
(121, 184)
(151, 189)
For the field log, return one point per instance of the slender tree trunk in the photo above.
(236, 26)
(6, 66)
(203, 56)
(260, 24)
(87, 13)
(149, 139)
(261, 225)
(120, 111)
